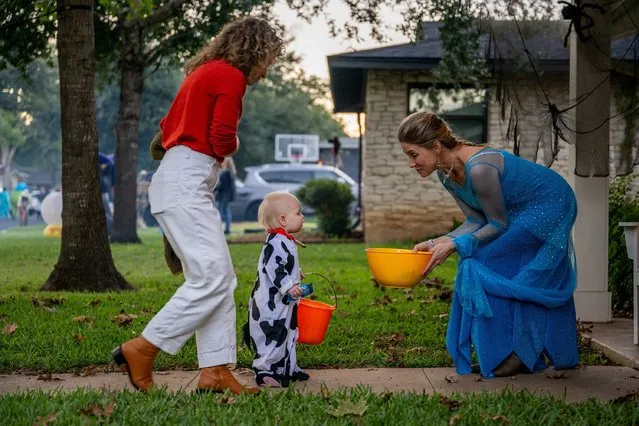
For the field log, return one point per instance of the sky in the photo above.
(313, 43)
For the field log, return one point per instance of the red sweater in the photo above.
(206, 111)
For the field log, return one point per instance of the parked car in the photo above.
(261, 180)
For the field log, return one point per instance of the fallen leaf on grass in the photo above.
(556, 375)
(82, 319)
(97, 411)
(124, 319)
(450, 403)
(456, 418)
(388, 341)
(382, 301)
(10, 328)
(347, 408)
(226, 400)
(45, 421)
(47, 301)
(94, 302)
(78, 337)
(502, 419)
(48, 377)
(451, 378)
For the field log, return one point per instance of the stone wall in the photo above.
(398, 204)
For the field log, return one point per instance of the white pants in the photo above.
(181, 198)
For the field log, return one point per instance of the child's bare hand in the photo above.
(295, 291)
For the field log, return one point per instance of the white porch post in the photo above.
(589, 162)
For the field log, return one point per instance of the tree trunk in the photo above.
(85, 261)
(6, 159)
(127, 132)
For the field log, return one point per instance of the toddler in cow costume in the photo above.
(271, 331)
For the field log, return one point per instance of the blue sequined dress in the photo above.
(516, 277)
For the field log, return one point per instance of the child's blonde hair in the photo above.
(274, 205)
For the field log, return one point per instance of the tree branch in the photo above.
(155, 53)
(162, 13)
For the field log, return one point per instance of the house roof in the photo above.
(501, 44)
(34, 177)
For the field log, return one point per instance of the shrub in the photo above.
(330, 200)
(623, 207)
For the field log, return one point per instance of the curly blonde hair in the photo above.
(244, 43)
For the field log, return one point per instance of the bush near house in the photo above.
(331, 201)
(623, 207)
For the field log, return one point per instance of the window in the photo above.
(287, 176)
(326, 174)
(464, 109)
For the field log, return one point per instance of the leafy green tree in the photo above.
(35, 93)
(12, 131)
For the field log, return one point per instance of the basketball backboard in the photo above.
(296, 148)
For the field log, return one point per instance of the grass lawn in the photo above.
(290, 408)
(64, 332)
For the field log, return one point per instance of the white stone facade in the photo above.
(397, 203)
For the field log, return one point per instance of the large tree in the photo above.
(85, 261)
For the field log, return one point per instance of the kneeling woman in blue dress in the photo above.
(513, 299)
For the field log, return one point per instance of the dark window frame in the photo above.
(410, 86)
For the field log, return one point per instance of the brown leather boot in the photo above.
(219, 379)
(136, 357)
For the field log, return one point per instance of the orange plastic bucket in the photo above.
(313, 318)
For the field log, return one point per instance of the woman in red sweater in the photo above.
(199, 130)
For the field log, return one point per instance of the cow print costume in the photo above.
(272, 327)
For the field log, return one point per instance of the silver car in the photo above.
(260, 180)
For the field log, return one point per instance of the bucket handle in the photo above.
(327, 280)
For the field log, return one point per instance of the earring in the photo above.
(438, 165)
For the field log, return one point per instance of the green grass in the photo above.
(371, 327)
(291, 408)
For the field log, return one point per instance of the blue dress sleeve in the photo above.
(486, 184)
(474, 219)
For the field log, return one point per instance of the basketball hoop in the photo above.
(296, 153)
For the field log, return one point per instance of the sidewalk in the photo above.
(601, 382)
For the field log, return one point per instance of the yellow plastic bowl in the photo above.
(397, 267)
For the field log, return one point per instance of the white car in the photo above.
(260, 180)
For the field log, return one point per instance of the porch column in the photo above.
(589, 165)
